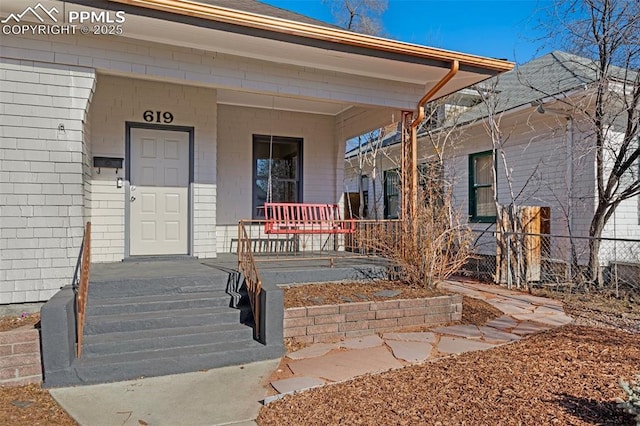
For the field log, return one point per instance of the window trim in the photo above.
(473, 217)
(259, 138)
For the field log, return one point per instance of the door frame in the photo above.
(129, 125)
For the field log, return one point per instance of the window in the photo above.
(364, 184)
(430, 186)
(481, 205)
(282, 158)
(391, 194)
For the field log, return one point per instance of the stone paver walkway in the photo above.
(323, 363)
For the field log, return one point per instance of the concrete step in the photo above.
(159, 339)
(110, 368)
(96, 324)
(157, 286)
(133, 304)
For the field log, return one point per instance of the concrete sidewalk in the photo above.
(223, 396)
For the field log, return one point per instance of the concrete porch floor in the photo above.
(283, 269)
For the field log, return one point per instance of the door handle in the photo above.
(133, 198)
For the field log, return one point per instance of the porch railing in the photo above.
(247, 266)
(80, 285)
(315, 241)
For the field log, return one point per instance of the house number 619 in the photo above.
(157, 116)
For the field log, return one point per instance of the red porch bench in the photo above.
(303, 218)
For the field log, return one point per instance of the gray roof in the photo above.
(551, 75)
(253, 6)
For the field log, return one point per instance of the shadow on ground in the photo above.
(595, 412)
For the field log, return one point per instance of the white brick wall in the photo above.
(42, 108)
(118, 100)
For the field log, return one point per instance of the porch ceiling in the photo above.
(214, 28)
(282, 52)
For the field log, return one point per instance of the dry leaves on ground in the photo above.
(350, 292)
(31, 405)
(600, 310)
(567, 376)
(11, 323)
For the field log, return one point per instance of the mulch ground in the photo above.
(349, 292)
(31, 405)
(10, 323)
(567, 376)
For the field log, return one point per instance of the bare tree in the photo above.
(607, 32)
(363, 161)
(361, 16)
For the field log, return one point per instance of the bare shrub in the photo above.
(430, 246)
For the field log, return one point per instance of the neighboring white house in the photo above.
(548, 152)
(154, 119)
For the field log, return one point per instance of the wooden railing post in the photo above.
(247, 266)
(83, 288)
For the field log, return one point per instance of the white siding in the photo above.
(537, 154)
(42, 111)
(118, 100)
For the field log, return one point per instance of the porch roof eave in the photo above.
(360, 48)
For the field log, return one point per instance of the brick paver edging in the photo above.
(330, 323)
(20, 357)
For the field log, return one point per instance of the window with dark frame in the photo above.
(391, 194)
(282, 158)
(364, 184)
(430, 181)
(482, 207)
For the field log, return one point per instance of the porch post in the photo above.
(407, 166)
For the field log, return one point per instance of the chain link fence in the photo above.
(521, 260)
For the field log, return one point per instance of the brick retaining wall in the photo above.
(20, 357)
(327, 323)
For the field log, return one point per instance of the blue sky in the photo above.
(493, 28)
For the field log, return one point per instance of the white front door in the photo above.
(159, 192)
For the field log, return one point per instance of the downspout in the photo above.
(569, 137)
(455, 65)
(572, 251)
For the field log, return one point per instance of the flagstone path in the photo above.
(324, 363)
